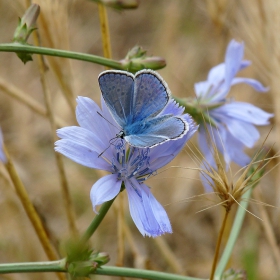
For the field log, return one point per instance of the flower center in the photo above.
(131, 162)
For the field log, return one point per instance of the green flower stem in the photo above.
(21, 48)
(60, 266)
(234, 234)
(141, 273)
(97, 220)
(197, 111)
(52, 266)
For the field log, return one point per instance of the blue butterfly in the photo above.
(136, 102)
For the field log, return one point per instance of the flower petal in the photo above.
(172, 107)
(246, 112)
(148, 216)
(231, 147)
(78, 144)
(89, 118)
(104, 190)
(205, 145)
(233, 59)
(159, 212)
(243, 131)
(251, 82)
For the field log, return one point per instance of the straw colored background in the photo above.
(192, 36)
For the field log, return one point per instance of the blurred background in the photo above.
(192, 36)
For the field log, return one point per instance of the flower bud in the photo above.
(26, 24)
(101, 258)
(25, 27)
(136, 60)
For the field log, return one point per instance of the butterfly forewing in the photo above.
(117, 89)
(150, 95)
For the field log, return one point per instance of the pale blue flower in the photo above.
(233, 123)
(94, 144)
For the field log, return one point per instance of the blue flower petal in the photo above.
(251, 82)
(246, 112)
(87, 117)
(159, 213)
(172, 107)
(233, 59)
(146, 214)
(230, 147)
(245, 132)
(82, 137)
(105, 189)
(78, 144)
(205, 147)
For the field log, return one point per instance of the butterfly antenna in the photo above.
(106, 119)
(104, 151)
(111, 143)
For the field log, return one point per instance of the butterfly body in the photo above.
(136, 103)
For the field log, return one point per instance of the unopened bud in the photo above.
(136, 59)
(25, 27)
(26, 24)
(101, 258)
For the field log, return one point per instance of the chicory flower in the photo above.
(230, 124)
(94, 144)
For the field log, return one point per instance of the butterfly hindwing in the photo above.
(157, 131)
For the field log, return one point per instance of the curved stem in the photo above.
(238, 221)
(16, 47)
(97, 220)
(218, 245)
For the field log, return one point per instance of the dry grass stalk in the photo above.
(25, 99)
(53, 25)
(59, 161)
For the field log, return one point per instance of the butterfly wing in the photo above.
(157, 131)
(117, 89)
(151, 94)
